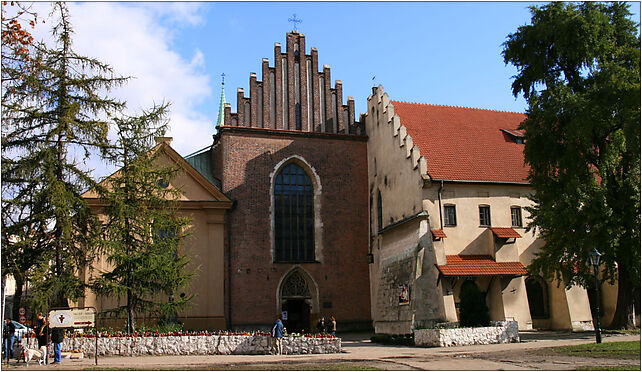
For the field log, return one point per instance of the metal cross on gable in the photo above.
(294, 20)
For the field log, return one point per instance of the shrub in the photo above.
(473, 311)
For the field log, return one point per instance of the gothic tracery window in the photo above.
(293, 215)
(295, 286)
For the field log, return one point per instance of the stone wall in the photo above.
(500, 333)
(199, 345)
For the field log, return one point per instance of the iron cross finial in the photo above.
(294, 20)
(223, 77)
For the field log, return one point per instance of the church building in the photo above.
(300, 210)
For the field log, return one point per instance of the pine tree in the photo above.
(53, 119)
(143, 229)
(579, 69)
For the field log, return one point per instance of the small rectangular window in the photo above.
(450, 215)
(484, 215)
(516, 216)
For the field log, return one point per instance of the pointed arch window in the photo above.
(293, 215)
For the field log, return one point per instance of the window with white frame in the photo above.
(516, 216)
(450, 215)
(484, 215)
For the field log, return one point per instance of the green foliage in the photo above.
(52, 110)
(143, 229)
(579, 69)
(406, 340)
(473, 311)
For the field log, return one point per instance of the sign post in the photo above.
(75, 317)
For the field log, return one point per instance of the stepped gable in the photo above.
(294, 95)
(466, 144)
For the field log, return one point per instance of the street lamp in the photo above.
(595, 261)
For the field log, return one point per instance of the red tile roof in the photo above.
(479, 265)
(438, 233)
(466, 144)
(505, 232)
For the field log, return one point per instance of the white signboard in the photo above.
(72, 318)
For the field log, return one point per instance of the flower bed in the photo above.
(195, 343)
(497, 333)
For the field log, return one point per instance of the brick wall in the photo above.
(246, 158)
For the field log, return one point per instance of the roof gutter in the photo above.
(483, 182)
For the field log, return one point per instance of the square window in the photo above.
(450, 215)
(484, 215)
(516, 216)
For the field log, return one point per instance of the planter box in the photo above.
(199, 345)
(499, 333)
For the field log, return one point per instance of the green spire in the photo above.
(221, 109)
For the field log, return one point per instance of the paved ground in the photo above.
(359, 351)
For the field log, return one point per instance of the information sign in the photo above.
(72, 318)
(285, 315)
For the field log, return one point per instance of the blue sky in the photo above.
(445, 53)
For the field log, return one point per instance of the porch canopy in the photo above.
(479, 265)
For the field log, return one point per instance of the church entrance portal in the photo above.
(296, 299)
(298, 315)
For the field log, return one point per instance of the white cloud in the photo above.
(136, 39)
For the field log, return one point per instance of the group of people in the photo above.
(41, 329)
(329, 326)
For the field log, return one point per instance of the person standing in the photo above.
(277, 336)
(57, 335)
(41, 336)
(321, 325)
(333, 327)
(9, 337)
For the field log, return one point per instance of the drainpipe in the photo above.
(441, 219)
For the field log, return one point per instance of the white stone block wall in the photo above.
(199, 345)
(499, 333)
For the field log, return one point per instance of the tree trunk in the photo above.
(624, 313)
(130, 313)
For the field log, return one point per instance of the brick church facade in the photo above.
(293, 126)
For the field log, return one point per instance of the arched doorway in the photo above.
(296, 298)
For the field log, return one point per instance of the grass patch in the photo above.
(607, 350)
(632, 367)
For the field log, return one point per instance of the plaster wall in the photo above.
(401, 244)
(204, 245)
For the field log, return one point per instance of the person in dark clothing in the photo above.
(57, 335)
(321, 325)
(41, 335)
(41, 330)
(9, 337)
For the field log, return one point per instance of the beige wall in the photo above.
(206, 207)
(404, 251)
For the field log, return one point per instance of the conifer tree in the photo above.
(143, 229)
(579, 69)
(54, 116)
